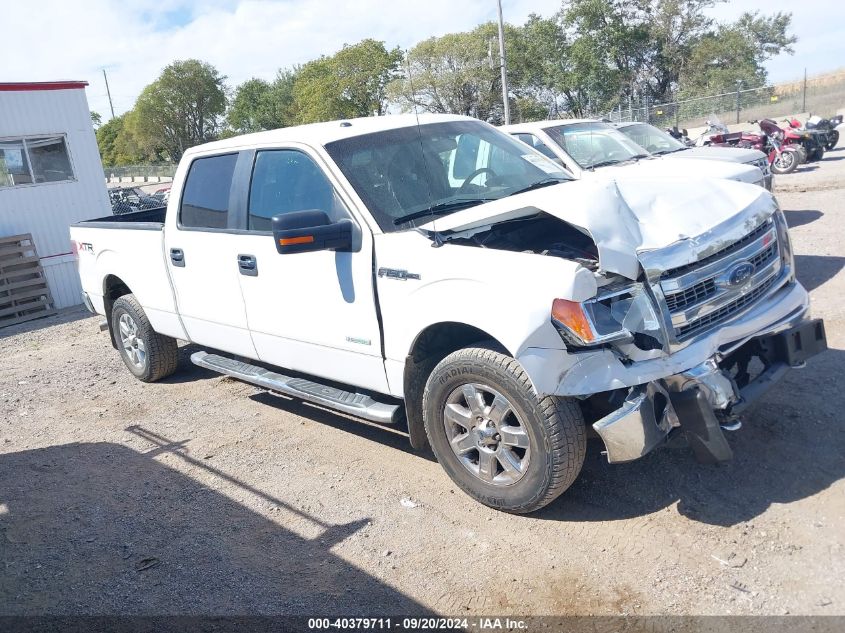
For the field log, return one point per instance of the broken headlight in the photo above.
(626, 315)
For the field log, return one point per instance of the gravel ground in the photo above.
(203, 495)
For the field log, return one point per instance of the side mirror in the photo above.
(312, 230)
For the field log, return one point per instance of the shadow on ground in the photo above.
(103, 529)
(814, 270)
(800, 217)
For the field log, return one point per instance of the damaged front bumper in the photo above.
(700, 400)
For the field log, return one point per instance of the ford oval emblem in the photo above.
(738, 274)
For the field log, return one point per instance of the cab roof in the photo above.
(540, 125)
(324, 133)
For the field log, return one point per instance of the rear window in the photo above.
(205, 200)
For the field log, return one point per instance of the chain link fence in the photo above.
(820, 95)
(140, 171)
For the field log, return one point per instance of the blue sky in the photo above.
(135, 39)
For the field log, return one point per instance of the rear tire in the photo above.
(495, 438)
(150, 356)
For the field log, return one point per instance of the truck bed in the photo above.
(132, 256)
(146, 220)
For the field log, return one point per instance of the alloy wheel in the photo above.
(487, 434)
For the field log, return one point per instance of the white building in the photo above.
(50, 174)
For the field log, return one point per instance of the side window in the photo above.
(205, 200)
(286, 180)
(544, 149)
(536, 143)
(466, 156)
(503, 163)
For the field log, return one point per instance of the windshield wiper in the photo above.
(539, 184)
(441, 208)
(605, 163)
(638, 156)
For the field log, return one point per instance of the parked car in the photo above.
(595, 149)
(660, 143)
(443, 275)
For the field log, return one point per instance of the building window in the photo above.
(34, 160)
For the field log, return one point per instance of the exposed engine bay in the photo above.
(541, 234)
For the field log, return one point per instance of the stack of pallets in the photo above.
(24, 293)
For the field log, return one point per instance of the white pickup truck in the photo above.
(501, 311)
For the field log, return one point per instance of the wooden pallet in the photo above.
(24, 293)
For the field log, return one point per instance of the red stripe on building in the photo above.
(30, 86)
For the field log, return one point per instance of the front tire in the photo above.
(832, 139)
(785, 162)
(150, 356)
(495, 438)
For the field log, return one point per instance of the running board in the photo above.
(358, 404)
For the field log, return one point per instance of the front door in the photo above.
(310, 312)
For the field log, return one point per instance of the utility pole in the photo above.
(738, 104)
(804, 104)
(108, 92)
(503, 64)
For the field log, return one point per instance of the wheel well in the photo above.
(113, 288)
(431, 346)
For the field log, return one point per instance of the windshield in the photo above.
(653, 139)
(715, 123)
(409, 175)
(595, 144)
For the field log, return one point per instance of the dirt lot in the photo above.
(203, 495)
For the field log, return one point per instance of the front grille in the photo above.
(763, 257)
(735, 246)
(700, 295)
(717, 316)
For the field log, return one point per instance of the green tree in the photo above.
(351, 83)
(458, 73)
(96, 119)
(119, 146)
(262, 105)
(662, 48)
(182, 108)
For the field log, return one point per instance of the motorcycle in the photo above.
(717, 133)
(680, 135)
(813, 141)
(828, 126)
(783, 159)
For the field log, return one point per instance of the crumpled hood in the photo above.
(624, 218)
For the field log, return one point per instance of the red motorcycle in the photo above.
(783, 158)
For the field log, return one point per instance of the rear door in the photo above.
(201, 251)
(311, 312)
